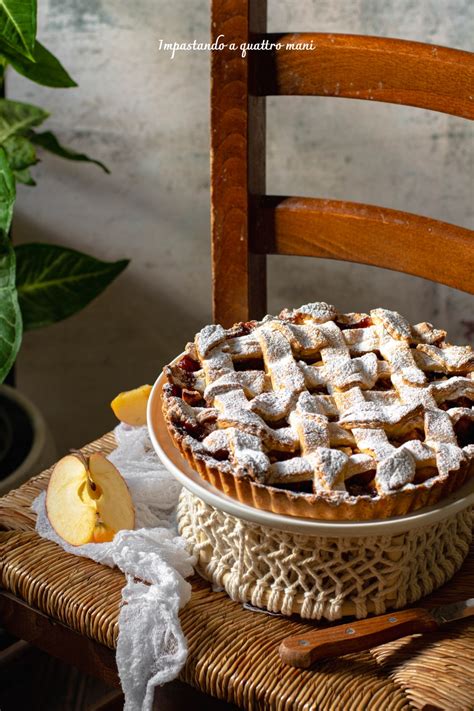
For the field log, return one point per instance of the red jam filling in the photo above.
(188, 364)
(363, 323)
(189, 428)
(464, 429)
(172, 390)
(242, 329)
(362, 484)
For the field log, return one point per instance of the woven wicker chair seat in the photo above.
(233, 651)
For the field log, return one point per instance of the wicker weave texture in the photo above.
(232, 651)
(319, 576)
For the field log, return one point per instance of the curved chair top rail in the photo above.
(367, 234)
(363, 67)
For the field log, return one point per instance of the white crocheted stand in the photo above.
(317, 576)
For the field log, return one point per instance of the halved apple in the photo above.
(130, 406)
(88, 500)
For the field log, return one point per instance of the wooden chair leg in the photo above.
(13, 652)
(112, 701)
(24, 622)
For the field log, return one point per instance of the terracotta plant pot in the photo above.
(26, 444)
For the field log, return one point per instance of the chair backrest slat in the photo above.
(374, 68)
(354, 232)
(237, 131)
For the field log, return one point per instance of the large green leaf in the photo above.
(49, 142)
(55, 282)
(10, 316)
(7, 197)
(21, 153)
(44, 69)
(18, 25)
(16, 117)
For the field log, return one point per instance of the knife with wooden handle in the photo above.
(304, 650)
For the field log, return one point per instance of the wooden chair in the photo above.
(247, 224)
(68, 606)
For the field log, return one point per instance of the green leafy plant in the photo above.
(39, 283)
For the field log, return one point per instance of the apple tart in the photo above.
(325, 415)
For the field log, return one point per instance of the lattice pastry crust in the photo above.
(326, 415)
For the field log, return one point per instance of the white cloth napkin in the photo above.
(151, 648)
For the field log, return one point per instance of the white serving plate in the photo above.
(178, 466)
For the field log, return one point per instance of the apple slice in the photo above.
(130, 406)
(88, 500)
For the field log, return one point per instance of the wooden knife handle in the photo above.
(305, 650)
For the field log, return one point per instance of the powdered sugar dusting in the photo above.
(319, 312)
(208, 338)
(323, 398)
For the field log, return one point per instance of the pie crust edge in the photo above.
(322, 505)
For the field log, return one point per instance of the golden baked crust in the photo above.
(325, 415)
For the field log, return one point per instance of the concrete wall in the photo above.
(147, 117)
